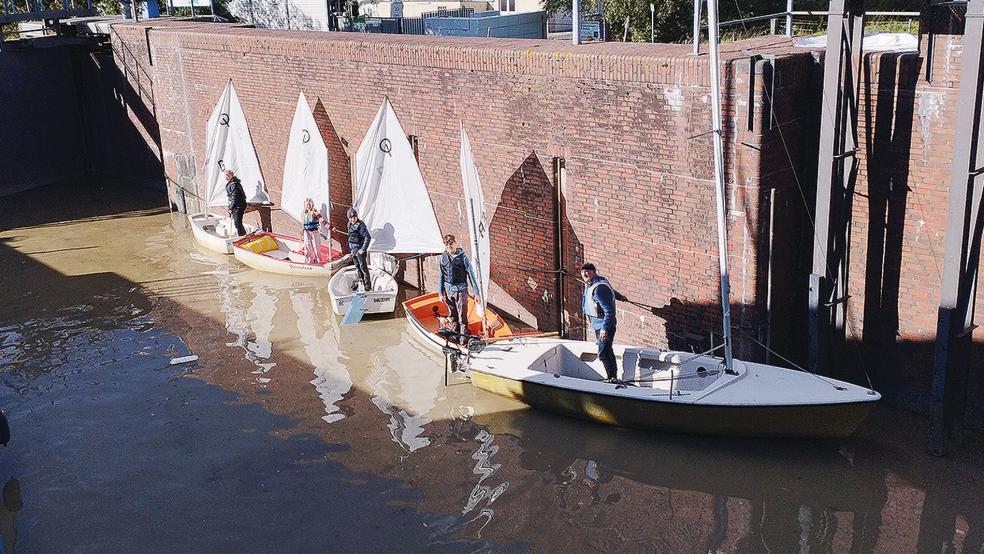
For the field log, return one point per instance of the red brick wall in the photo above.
(630, 120)
(906, 130)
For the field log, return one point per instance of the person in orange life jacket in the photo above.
(598, 304)
(358, 243)
(237, 200)
(456, 271)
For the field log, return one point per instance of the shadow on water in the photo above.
(294, 433)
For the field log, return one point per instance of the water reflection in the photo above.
(250, 322)
(10, 504)
(318, 332)
(394, 393)
(490, 471)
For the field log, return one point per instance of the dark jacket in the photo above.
(358, 236)
(456, 271)
(236, 194)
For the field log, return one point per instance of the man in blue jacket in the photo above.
(598, 304)
(456, 271)
(358, 243)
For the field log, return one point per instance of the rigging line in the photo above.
(790, 362)
(822, 247)
(932, 249)
(740, 16)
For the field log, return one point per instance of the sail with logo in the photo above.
(305, 176)
(228, 145)
(392, 200)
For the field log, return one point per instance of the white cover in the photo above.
(229, 146)
(873, 42)
(306, 166)
(478, 222)
(391, 196)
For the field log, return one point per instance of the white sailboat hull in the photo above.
(214, 232)
(380, 300)
(287, 259)
(671, 391)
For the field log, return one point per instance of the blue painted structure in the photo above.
(490, 24)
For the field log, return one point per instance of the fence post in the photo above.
(789, 18)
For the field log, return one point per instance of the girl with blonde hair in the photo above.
(311, 230)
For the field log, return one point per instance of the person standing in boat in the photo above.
(598, 304)
(456, 272)
(358, 243)
(237, 200)
(311, 230)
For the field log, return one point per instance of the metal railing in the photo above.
(788, 15)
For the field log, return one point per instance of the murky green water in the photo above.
(293, 433)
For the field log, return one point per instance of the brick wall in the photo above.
(898, 235)
(629, 120)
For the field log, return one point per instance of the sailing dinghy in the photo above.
(391, 198)
(228, 146)
(670, 391)
(426, 313)
(305, 176)
(673, 391)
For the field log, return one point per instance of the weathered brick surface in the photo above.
(907, 131)
(630, 121)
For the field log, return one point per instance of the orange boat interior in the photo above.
(432, 313)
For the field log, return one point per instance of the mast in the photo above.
(715, 74)
(478, 266)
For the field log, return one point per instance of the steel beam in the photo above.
(836, 176)
(955, 324)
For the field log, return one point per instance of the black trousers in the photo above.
(237, 213)
(362, 268)
(458, 310)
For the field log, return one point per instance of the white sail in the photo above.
(306, 166)
(229, 146)
(478, 221)
(391, 196)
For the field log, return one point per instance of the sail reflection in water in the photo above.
(256, 321)
(406, 392)
(320, 338)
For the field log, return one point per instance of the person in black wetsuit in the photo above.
(237, 200)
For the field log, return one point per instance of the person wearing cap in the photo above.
(358, 243)
(598, 304)
(455, 273)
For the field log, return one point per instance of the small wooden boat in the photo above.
(671, 391)
(427, 315)
(380, 300)
(282, 254)
(215, 232)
